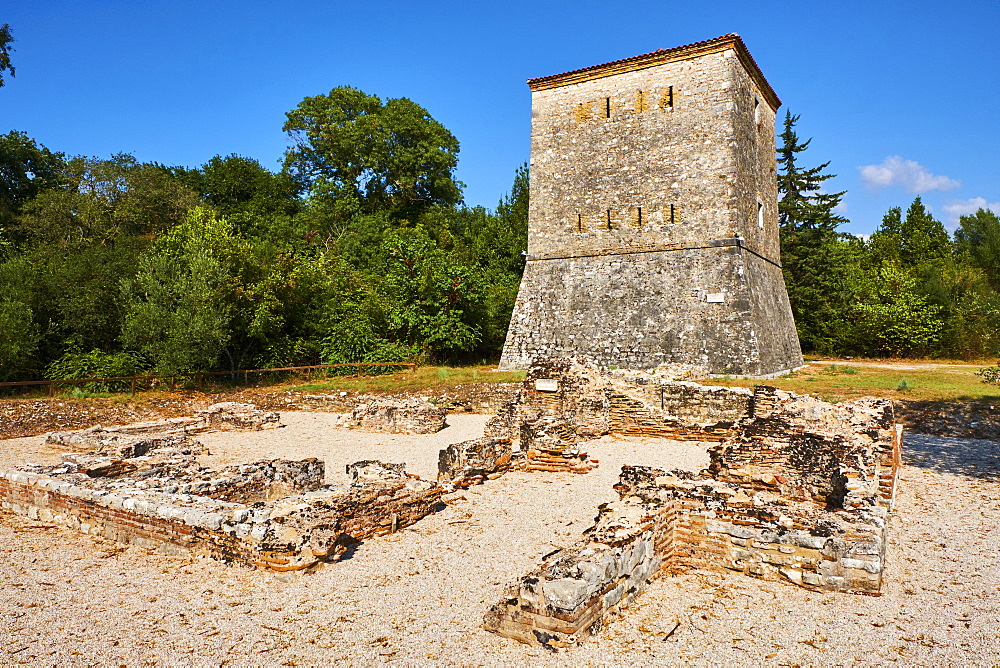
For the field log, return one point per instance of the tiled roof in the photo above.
(660, 56)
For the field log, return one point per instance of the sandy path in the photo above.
(417, 597)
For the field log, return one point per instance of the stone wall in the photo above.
(653, 232)
(270, 514)
(396, 416)
(225, 416)
(798, 490)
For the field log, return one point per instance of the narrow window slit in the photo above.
(667, 98)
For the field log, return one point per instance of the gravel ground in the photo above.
(418, 596)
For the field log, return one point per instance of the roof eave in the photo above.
(660, 57)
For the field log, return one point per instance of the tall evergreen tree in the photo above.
(812, 253)
(978, 237)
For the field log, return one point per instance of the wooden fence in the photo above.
(199, 376)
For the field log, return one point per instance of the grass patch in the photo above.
(835, 382)
(430, 378)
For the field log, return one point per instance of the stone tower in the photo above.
(653, 223)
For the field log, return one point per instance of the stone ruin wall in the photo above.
(798, 490)
(306, 525)
(644, 245)
(396, 416)
(141, 484)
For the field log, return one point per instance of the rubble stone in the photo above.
(470, 462)
(227, 416)
(273, 514)
(797, 490)
(234, 416)
(396, 416)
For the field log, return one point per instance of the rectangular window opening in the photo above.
(579, 223)
(760, 214)
(607, 107)
(667, 98)
(673, 214)
(609, 221)
(641, 102)
(638, 215)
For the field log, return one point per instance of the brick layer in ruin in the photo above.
(272, 514)
(798, 490)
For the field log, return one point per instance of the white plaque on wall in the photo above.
(547, 385)
(715, 297)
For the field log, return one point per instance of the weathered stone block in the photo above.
(397, 416)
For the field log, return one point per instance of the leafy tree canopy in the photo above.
(105, 200)
(914, 240)
(368, 155)
(26, 169)
(238, 186)
(978, 236)
(5, 39)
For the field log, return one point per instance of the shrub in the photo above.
(97, 364)
(990, 374)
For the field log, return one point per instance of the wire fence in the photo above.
(135, 382)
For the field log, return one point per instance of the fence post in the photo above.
(52, 388)
(133, 385)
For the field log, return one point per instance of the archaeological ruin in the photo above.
(653, 225)
(653, 261)
(798, 490)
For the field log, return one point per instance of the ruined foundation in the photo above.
(798, 490)
(225, 416)
(396, 416)
(276, 515)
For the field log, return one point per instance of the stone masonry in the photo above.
(225, 416)
(396, 416)
(798, 490)
(276, 514)
(653, 233)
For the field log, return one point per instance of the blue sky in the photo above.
(903, 98)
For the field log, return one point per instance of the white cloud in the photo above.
(955, 208)
(909, 174)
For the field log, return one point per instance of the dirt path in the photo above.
(905, 366)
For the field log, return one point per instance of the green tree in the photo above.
(19, 339)
(814, 259)
(5, 39)
(978, 238)
(366, 155)
(104, 201)
(241, 187)
(181, 300)
(914, 240)
(891, 317)
(26, 169)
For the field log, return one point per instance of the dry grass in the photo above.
(837, 380)
(429, 378)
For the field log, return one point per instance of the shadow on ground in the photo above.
(972, 458)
